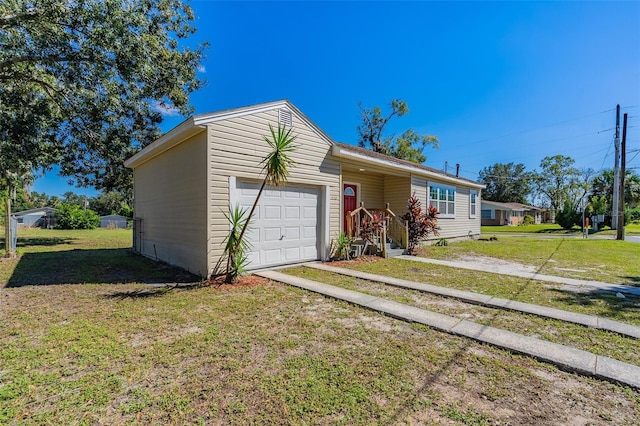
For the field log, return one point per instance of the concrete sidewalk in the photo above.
(492, 302)
(563, 356)
(506, 270)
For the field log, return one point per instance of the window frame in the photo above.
(445, 200)
(473, 204)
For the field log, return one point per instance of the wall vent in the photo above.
(285, 117)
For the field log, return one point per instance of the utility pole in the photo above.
(616, 173)
(623, 166)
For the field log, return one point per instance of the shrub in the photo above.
(341, 247)
(568, 217)
(70, 216)
(371, 227)
(442, 242)
(420, 223)
(528, 220)
(634, 215)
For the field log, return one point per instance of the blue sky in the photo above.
(495, 81)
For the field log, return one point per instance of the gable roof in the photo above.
(198, 123)
(364, 154)
(30, 211)
(510, 206)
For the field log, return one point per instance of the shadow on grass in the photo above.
(98, 266)
(152, 292)
(557, 231)
(614, 306)
(40, 241)
(634, 280)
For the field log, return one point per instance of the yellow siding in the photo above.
(397, 191)
(460, 226)
(170, 197)
(371, 186)
(236, 147)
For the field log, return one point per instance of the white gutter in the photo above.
(167, 141)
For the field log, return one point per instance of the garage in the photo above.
(284, 228)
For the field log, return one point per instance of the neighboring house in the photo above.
(211, 161)
(511, 214)
(113, 221)
(43, 217)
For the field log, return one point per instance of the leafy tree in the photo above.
(112, 202)
(83, 84)
(569, 216)
(72, 216)
(276, 167)
(506, 183)
(26, 141)
(22, 200)
(408, 146)
(71, 197)
(39, 200)
(602, 185)
(420, 223)
(559, 183)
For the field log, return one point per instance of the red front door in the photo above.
(349, 203)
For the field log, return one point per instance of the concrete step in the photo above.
(395, 252)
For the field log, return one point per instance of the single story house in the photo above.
(511, 214)
(113, 221)
(43, 217)
(185, 181)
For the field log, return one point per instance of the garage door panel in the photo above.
(310, 252)
(292, 212)
(309, 232)
(292, 232)
(310, 212)
(284, 230)
(292, 195)
(272, 234)
(271, 193)
(292, 254)
(253, 236)
(271, 256)
(272, 212)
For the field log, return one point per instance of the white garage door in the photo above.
(284, 227)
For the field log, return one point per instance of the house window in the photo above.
(284, 117)
(443, 198)
(348, 191)
(488, 214)
(473, 204)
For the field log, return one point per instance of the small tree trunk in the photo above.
(7, 226)
(232, 255)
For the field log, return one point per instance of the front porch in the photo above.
(373, 203)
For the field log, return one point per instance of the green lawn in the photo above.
(81, 256)
(593, 259)
(82, 341)
(543, 228)
(552, 229)
(601, 342)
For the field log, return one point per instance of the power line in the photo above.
(535, 128)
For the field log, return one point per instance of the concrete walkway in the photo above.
(508, 270)
(566, 357)
(492, 302)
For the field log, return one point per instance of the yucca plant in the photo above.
(341, 247)
(276, 167)
(234, 248)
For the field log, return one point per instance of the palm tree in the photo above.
(276, 166)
